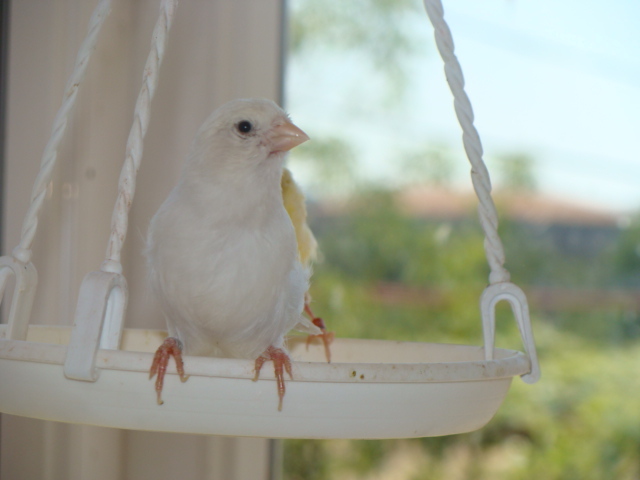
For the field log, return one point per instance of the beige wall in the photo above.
(217, 50)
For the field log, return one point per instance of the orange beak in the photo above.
(286, 136)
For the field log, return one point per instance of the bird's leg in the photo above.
(327, 337)
(281, 362)
(170, 347)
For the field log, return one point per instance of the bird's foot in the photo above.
(326, 337)
(281, 362)
(170, 347)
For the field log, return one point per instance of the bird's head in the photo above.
(246, 133)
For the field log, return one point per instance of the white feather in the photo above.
(221, 250)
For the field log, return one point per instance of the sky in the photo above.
(557, 80)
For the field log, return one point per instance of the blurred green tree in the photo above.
(626, 257)
(516, 173)
(431, 165)
(581, 421)
(372, 27)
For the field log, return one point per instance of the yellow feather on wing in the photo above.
(294, 203)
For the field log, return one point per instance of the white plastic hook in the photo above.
(518, 301)
(26, 281)
(98, 323)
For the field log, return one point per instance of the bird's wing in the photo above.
(294, 203)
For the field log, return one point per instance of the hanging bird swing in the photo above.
(96, 371)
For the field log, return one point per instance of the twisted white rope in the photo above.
(127, 182)
(22, 251)
(472, 145)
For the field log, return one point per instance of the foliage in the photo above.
(432, 165)
(373, 27)
(517, 172)
(581, 421)
(627, 256)
(333, 163)
(533, 254)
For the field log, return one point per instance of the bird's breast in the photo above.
(227, 273)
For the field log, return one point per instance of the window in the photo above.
(555, 102)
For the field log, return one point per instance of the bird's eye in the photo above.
(244, 126)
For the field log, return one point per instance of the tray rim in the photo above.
(506, 363)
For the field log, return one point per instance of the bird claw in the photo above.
(170, 347)
(326, 337)
(281, 362)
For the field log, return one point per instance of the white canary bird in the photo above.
(221, 250)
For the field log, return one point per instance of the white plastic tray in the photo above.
(373, 388)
